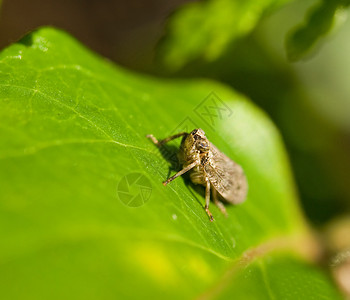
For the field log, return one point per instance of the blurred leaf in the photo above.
(270, 277)
(319, 21)
(72, 126)
(204, 29)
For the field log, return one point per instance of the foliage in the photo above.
(206, 29)
(73, 125)
(319, 22)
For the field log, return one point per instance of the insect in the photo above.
(209, 167)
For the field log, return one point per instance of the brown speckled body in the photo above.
(226, 176)
(209, 167)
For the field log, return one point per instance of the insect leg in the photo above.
(207, 200)
(218, 203)
(184, 170)
(168, 139)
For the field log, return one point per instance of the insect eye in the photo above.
(203, 146)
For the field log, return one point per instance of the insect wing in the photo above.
(226, 176)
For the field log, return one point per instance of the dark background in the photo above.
(124, 31)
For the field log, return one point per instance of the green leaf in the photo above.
(205, 29)
(270, 277)
(73, 125)
(319, 21)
